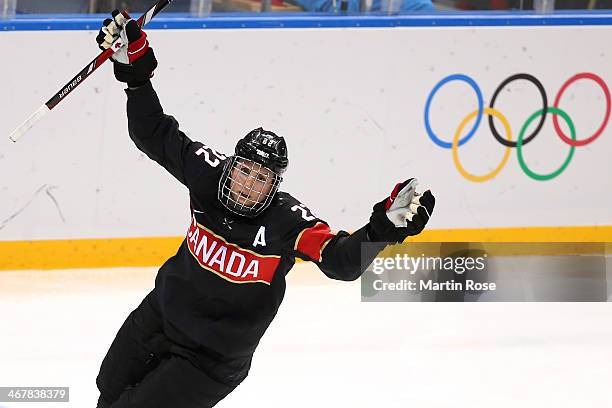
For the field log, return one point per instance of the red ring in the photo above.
(604, 87)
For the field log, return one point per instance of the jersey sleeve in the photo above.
(312, 240)
(305, 234)
(345, 258)
(159, 137)
(337, 254)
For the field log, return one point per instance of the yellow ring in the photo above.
(455, 145)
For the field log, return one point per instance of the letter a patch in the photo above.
(260, 238)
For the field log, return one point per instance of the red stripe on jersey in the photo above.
(227, 260)
(312, 241)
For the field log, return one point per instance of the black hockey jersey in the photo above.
(226, 282)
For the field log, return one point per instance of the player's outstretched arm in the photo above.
(342, 257)
(404, 213)
(153, 132)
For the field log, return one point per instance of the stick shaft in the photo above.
(83, 75)
(102, 58)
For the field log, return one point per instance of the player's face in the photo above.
(250, 182)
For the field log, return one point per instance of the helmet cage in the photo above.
(248, 208)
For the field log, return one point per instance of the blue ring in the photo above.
(474, 85)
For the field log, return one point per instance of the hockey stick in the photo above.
(82, 76)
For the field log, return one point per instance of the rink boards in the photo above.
(361, 108)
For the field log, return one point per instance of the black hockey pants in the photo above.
(143, 368)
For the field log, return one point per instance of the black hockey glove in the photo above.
(402, 214)
(135, 62)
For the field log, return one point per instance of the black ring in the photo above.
(538, 84)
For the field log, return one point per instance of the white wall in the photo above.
(349, 101)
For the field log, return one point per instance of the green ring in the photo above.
(519, 145)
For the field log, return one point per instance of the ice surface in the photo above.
(326, 348)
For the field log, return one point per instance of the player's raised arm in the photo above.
(404, 213)
(154, 133)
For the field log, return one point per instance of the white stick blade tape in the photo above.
(29, 123)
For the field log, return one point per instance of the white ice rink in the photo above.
(326, 348)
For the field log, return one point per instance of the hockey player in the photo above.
(191, 340)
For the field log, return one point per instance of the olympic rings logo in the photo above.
(523, 139)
